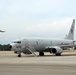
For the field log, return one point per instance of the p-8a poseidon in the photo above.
(41, 45)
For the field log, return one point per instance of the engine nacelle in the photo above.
(56, 50)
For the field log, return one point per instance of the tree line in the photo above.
(5, 47)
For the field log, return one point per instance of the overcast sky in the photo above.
(35, 18)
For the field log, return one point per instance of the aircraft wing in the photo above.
(59, 47)
(66, 46)
(74, 41)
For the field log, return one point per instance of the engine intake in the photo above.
(56, 50)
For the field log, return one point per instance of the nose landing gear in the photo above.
(19, 55)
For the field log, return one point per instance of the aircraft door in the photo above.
(25, 44)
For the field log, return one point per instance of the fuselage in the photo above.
(39, 44)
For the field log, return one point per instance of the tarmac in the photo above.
(49, 64)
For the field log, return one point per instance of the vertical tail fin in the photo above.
(70, 35)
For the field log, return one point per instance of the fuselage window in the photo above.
(18, 47)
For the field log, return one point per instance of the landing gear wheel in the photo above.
(41, 53)
(19, 55)
(58, 54)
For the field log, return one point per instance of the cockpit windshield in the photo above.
(17, 42)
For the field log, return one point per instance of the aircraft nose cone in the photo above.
(10, 46)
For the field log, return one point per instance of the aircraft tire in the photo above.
(41, 53)
(19, 55)
(58, 54)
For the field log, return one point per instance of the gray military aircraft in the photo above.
(41, 45)
(2, 31)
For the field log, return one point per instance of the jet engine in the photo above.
(56, 50)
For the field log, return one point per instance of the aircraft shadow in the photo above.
(63, 55)
(60, 56)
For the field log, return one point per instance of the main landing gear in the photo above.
(58, 54)
(41, 53)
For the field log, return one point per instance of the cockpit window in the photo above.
(17, 42)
